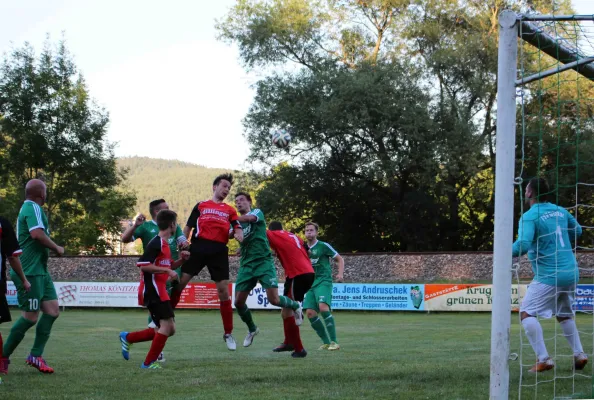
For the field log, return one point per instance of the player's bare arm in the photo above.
(247, 218)
(340, 262)
(41, 237)
(16, 266)
(154, 269)
(187, 231)
(185, 255)
(128, 234)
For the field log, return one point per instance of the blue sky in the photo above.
(173, 91)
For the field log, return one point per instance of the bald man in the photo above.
(34, 238)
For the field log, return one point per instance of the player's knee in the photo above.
(31, 316)
(274, 299)
(311, 313)
(524, 315)
(239, 303)
(171, 330)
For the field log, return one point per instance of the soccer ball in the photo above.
(281, 138)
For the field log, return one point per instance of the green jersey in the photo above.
(149, 229)
(255, 246)
(320, 254)
(35, 255)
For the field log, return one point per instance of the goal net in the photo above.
(545, 129)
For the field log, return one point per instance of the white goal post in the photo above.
(509, 31)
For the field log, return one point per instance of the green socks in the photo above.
(286, 302)
(17, 333)
(318, 326)
(246, 317)
(42, 334)
(329, 321)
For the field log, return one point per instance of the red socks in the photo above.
(141, 336)
(292, 335)
(156, 348)
(227, 315)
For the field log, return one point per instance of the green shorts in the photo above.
(320, 293)
(42, 289)
(249, 275)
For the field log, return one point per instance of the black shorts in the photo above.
(4, 310)
(160, 310)
(214, 257)
(296, 287)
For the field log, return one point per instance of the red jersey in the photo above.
(153, 286)
(211, 221)
(291, 252)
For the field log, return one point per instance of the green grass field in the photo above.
(383, 356)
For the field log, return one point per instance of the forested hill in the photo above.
(182, 184)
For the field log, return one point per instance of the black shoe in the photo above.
(300, 354)
(283, 347)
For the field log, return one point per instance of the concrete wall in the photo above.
(420, 267)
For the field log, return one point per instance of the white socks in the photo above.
(535, 337)
(572, 335)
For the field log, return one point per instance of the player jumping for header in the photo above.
(256, 265)
(210, 222)
(545, 232)
(299, 274)
(319, 297)
(156, 266)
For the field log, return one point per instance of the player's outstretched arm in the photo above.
(41, 237)
(128, 235)
(247, 218)
(340, 262)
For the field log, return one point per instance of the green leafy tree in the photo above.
(391, 105)
(54, 131)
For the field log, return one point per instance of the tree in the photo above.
(391, 101)
(54, 131)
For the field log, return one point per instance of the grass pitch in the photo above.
(383, 356)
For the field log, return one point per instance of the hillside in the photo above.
(181, 184)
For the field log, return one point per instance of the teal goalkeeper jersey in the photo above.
(546, 232)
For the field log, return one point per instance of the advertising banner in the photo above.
(466, 297)
(380, 297)
(257, 298)
(201, 295)
(584, 298)
(11, 294)
(97, 294)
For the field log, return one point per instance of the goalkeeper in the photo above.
(545, 233)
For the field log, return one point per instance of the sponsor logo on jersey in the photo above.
(165, 262)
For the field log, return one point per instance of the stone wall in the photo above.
(419, 267)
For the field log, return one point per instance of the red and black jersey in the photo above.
(153, 286)
(9, 247)
(291, 252)
(211, 221)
